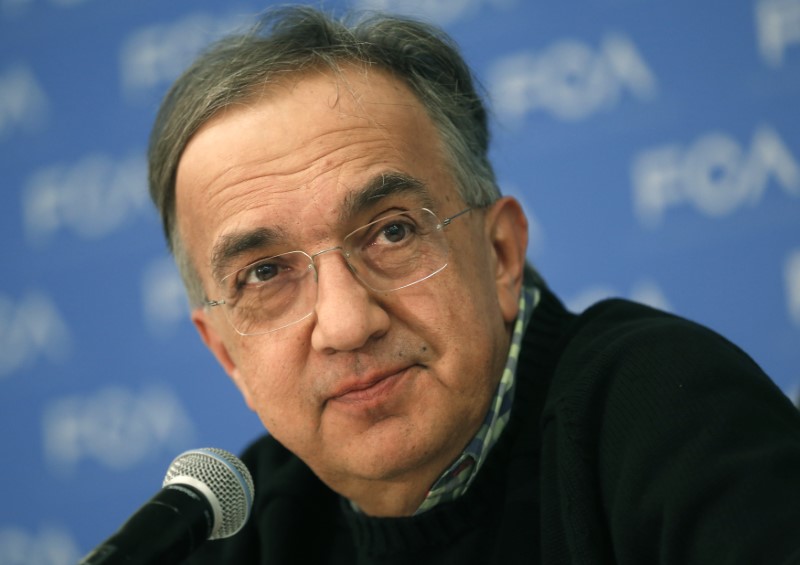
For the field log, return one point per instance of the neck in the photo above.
(401, 492)
(390, 500)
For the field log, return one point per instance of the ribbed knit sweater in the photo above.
(636, 437)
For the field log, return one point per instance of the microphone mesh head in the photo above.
(226, 477)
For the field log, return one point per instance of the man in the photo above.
(351, 264)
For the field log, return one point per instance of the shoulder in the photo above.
(647, 416)
(277, 472)
(631, 339)
(265, 455)
(619, 322)
(627, 364)
(289, 503)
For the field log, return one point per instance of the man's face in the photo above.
(373, 390)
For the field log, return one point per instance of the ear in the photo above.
(215, 343)
(508, 235)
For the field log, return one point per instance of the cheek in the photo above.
(470, 315)
(271, 369)
(471, 295)
(462, 323)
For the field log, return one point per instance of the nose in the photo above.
(347, 314)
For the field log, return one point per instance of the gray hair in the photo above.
(297, 39)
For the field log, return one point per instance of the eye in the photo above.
(393, 231)
(396, 232)
(273, 270)
(260, 272)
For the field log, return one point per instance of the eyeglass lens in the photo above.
(393, 252)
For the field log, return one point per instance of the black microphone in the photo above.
(207, 494)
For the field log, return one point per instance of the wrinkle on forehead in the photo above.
(229, 246)
(234, 177)
(357, 111)
(258, 183)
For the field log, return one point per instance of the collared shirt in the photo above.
(457, 478)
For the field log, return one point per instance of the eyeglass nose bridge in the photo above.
(345, 255)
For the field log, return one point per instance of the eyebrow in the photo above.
(233, 245)
(381, 186)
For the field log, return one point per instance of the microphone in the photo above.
(207, 494)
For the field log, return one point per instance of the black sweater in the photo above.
(636, 437)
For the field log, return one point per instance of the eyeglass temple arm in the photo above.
(446, 221)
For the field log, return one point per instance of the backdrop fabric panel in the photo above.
(654, 144)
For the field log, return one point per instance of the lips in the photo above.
(370, 391)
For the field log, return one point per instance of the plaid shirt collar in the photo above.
(457, 478)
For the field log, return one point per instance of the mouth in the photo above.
(370, 392)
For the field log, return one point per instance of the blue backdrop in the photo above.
(655, 145)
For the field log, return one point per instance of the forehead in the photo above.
(291, 158)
